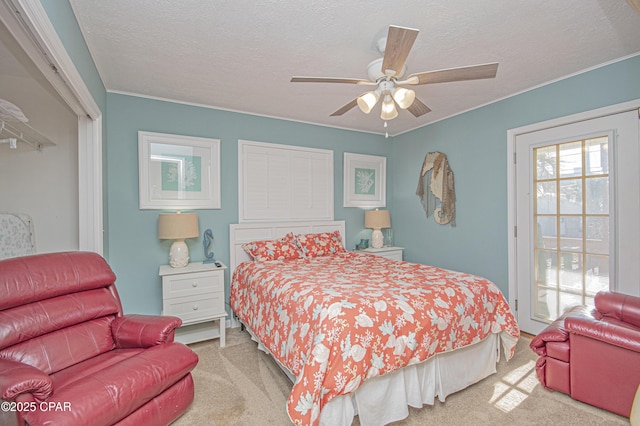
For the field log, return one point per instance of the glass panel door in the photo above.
(577, 206)
(572, 222)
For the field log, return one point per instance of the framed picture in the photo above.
(365, 180)
(178, 172)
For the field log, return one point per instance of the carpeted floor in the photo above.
(240, 385)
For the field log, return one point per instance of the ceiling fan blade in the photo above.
(399, 43)
(474, 72)
(345, 108)
(328, 80)
(417, 108)
(635, 4)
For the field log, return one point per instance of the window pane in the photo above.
(571, 159)
(597, 156)
(568, 300)
(571, 233)
(546, 162)
(546, 273)
(571, 271)
(546, 306)
(571, 196)
(597, 240)
(547, 197)
(597, 195)
(546, 232)
(597, 268)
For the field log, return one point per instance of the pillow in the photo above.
(282, 249)
(323, 244)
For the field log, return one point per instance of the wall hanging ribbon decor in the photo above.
(439, 198)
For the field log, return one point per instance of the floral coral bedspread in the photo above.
(337, 320)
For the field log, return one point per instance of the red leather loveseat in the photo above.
(593, 354)
(68, 356)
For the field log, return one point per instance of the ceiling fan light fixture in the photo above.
(389, 111)
(404, 97)
(367, 101)
(387, 74)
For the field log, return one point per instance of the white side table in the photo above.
(393, 253)
(195, 294)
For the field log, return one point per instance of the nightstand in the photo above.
(393, 253)
(195, 294)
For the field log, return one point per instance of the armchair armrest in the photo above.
(143, 331)
(620, 306)
(555, 332)
(613, 332)
(18, 378)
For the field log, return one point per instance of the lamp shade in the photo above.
(404, 97)
(377, 219)
(177, 226)
(367, 101)
(389, 111)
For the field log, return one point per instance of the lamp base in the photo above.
(179, 254)
(377, 239)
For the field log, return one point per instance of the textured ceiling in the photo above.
(241, 54)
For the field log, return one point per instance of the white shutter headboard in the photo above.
(284, 183)
(246, 232)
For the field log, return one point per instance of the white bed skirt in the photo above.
(386, 399)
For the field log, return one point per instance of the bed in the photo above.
(359, 334)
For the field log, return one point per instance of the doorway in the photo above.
(575, 205)
(27, 26)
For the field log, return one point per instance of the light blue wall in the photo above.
(476, 146)
(64, 21)
(475, 143)
(135, 251)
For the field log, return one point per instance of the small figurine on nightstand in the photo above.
(207, 239)
(364, 243)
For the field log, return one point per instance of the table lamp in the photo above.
(177, 227)
(377, 219)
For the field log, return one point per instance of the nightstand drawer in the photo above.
(395, 255)
(195, 308)
(192, 284)
(392, 253)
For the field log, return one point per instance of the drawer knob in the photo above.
(194, 284)
(195, 307)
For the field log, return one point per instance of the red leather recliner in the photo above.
(68, 356)
(593, 354)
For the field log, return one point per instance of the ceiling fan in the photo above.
(386, 73)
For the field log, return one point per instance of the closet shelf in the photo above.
(22, 133)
